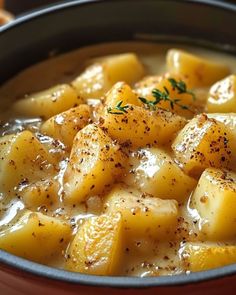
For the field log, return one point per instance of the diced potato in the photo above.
(143, 215)
(199, 71)
(154, 172)
(95, 162)
(35, 236)
(98, 78)
(41, 193)
(222, 96)
(23, 160)
(203, 143)
(163, 83)
(48, 103)
(64, 126)
(121, 92)
(199, 257)
(228, 119)
(97, 246)
(141, 127)
(215, 201)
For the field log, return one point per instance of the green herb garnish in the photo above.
(165, 96)
(181, 87)
(118, 109)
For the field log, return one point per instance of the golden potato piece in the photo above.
(222, 96)
(199, 257)
(199, 71)
(5, 16)
(203, 143)
(64, 126)
(23, 160)
(154, 172)
(35, 236)
(228, 119)
(48, 103)
(143, 215)
(98, 78)
(121, 92)
(94, 163)
(215, 201)
(97, 246)
(141, 127)
(41, 193)
(175, 87)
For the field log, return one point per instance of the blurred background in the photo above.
(11, 8)
(19, 6)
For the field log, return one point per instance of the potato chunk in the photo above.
(35, 236)
(154, 172)
(199, 257)
(121, 92)
(203, 143)
(98, 78)
(166, 84)
(200, 72)
(41, 193)
(97, 246)
(222, 96)
(23, 159)
(215, 201)
(228, 119)
(143, 215)
(64, 126)
(141, 127)
(95, 162)
(48, 103)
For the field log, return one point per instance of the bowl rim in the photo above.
(226, 5)
(43, 271)
(55, 274)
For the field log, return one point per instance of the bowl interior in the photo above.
(78, 23)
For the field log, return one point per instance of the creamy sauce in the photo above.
(66, 67)
(142, 257)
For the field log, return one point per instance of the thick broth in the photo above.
(141, 257)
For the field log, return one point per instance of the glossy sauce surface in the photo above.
(145, 256)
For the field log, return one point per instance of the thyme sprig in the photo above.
(181, 87)
(118, 109)
(165, 96)
(159, 96)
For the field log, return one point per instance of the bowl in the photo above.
(74, 24)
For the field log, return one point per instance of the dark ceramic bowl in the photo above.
(76, 23)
